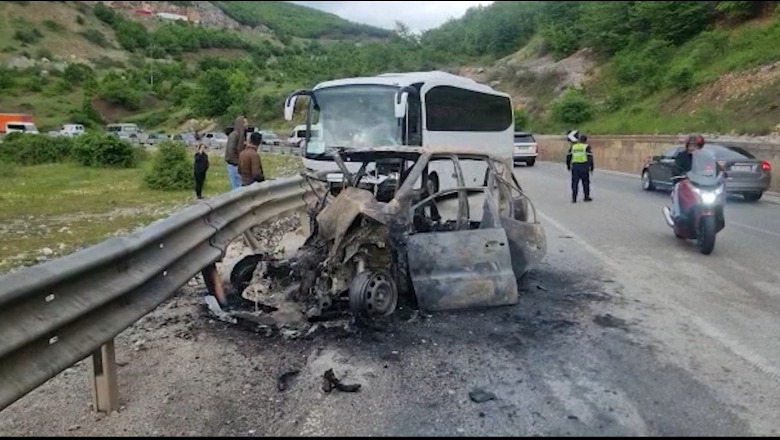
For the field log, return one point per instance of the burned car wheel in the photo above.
(242, 272)
(373, 294)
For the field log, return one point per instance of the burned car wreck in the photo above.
(379, 234)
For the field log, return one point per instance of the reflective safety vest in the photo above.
(579, 153)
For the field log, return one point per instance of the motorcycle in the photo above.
(702, 196)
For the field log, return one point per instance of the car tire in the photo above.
(647, 181)
(753, 197)
(531, 163)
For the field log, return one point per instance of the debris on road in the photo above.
(329, 382)
(479, 395)
(285, 378)
(542, 288)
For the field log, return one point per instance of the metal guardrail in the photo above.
(55, 314)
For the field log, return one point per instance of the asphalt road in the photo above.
(623, 330)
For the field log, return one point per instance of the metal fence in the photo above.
(55, 314)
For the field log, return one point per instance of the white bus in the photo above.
(413, 109)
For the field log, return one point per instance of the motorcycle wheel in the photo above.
(706, 240)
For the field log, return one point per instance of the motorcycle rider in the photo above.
(682, 164)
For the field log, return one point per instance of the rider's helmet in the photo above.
(573, 136)
(695, 139)
(583, 137)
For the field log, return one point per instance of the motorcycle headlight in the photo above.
(709, 198)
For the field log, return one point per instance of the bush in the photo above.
(572, 108)
(80, 20)
(53, 26)
(171, 170)
(681, 78)
(35, 149)
(95, 37)
(104, 150)
(116, 90)
(28, 35)
(521, 119)
(43, 52)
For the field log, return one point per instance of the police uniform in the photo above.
(580, 162)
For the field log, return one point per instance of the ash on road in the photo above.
(623, 330)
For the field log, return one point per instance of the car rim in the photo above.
(645, 180)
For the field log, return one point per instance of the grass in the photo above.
(64, 207)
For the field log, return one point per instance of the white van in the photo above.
(298, 135)
(72, 130)
(21, 127)
(128, 132)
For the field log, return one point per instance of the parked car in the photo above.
(526, 149)
(188, 139)
(270, 138)
(155, 138)
(214, 139)
(127, 132)
(71, 130)
(745, 174)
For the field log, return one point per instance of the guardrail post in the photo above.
(105, 387)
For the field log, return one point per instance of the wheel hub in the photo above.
(373, 294)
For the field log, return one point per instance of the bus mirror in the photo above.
(289, 104)
(289, 108)
(400, 104)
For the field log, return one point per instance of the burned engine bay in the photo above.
(384, 233)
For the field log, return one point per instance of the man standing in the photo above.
(249, 166)
(235, 143)
(580, 162)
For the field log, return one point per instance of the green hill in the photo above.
(628, 66)
(88, 63)
(290, 19)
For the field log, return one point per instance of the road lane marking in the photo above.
(705, 327)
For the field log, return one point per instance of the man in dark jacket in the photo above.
(200, 167)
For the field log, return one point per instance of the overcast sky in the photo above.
(419, 16)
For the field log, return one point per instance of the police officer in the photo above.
(580, 162)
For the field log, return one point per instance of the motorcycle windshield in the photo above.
(704, 169)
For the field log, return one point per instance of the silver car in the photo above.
(745, 174)
(525, 148)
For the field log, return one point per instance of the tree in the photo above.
(212, 94)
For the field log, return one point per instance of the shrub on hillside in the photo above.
(35, 149)
(171, 169)
(28, 35)
(572, 108)
(681, 78)
(521, 119)
(104, 150)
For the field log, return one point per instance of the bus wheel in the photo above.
(433, 178)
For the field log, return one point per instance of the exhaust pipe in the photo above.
(668, 216)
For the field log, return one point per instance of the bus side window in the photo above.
(414, 121)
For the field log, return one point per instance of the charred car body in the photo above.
(382, 233)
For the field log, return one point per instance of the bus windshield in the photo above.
(354, 116)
